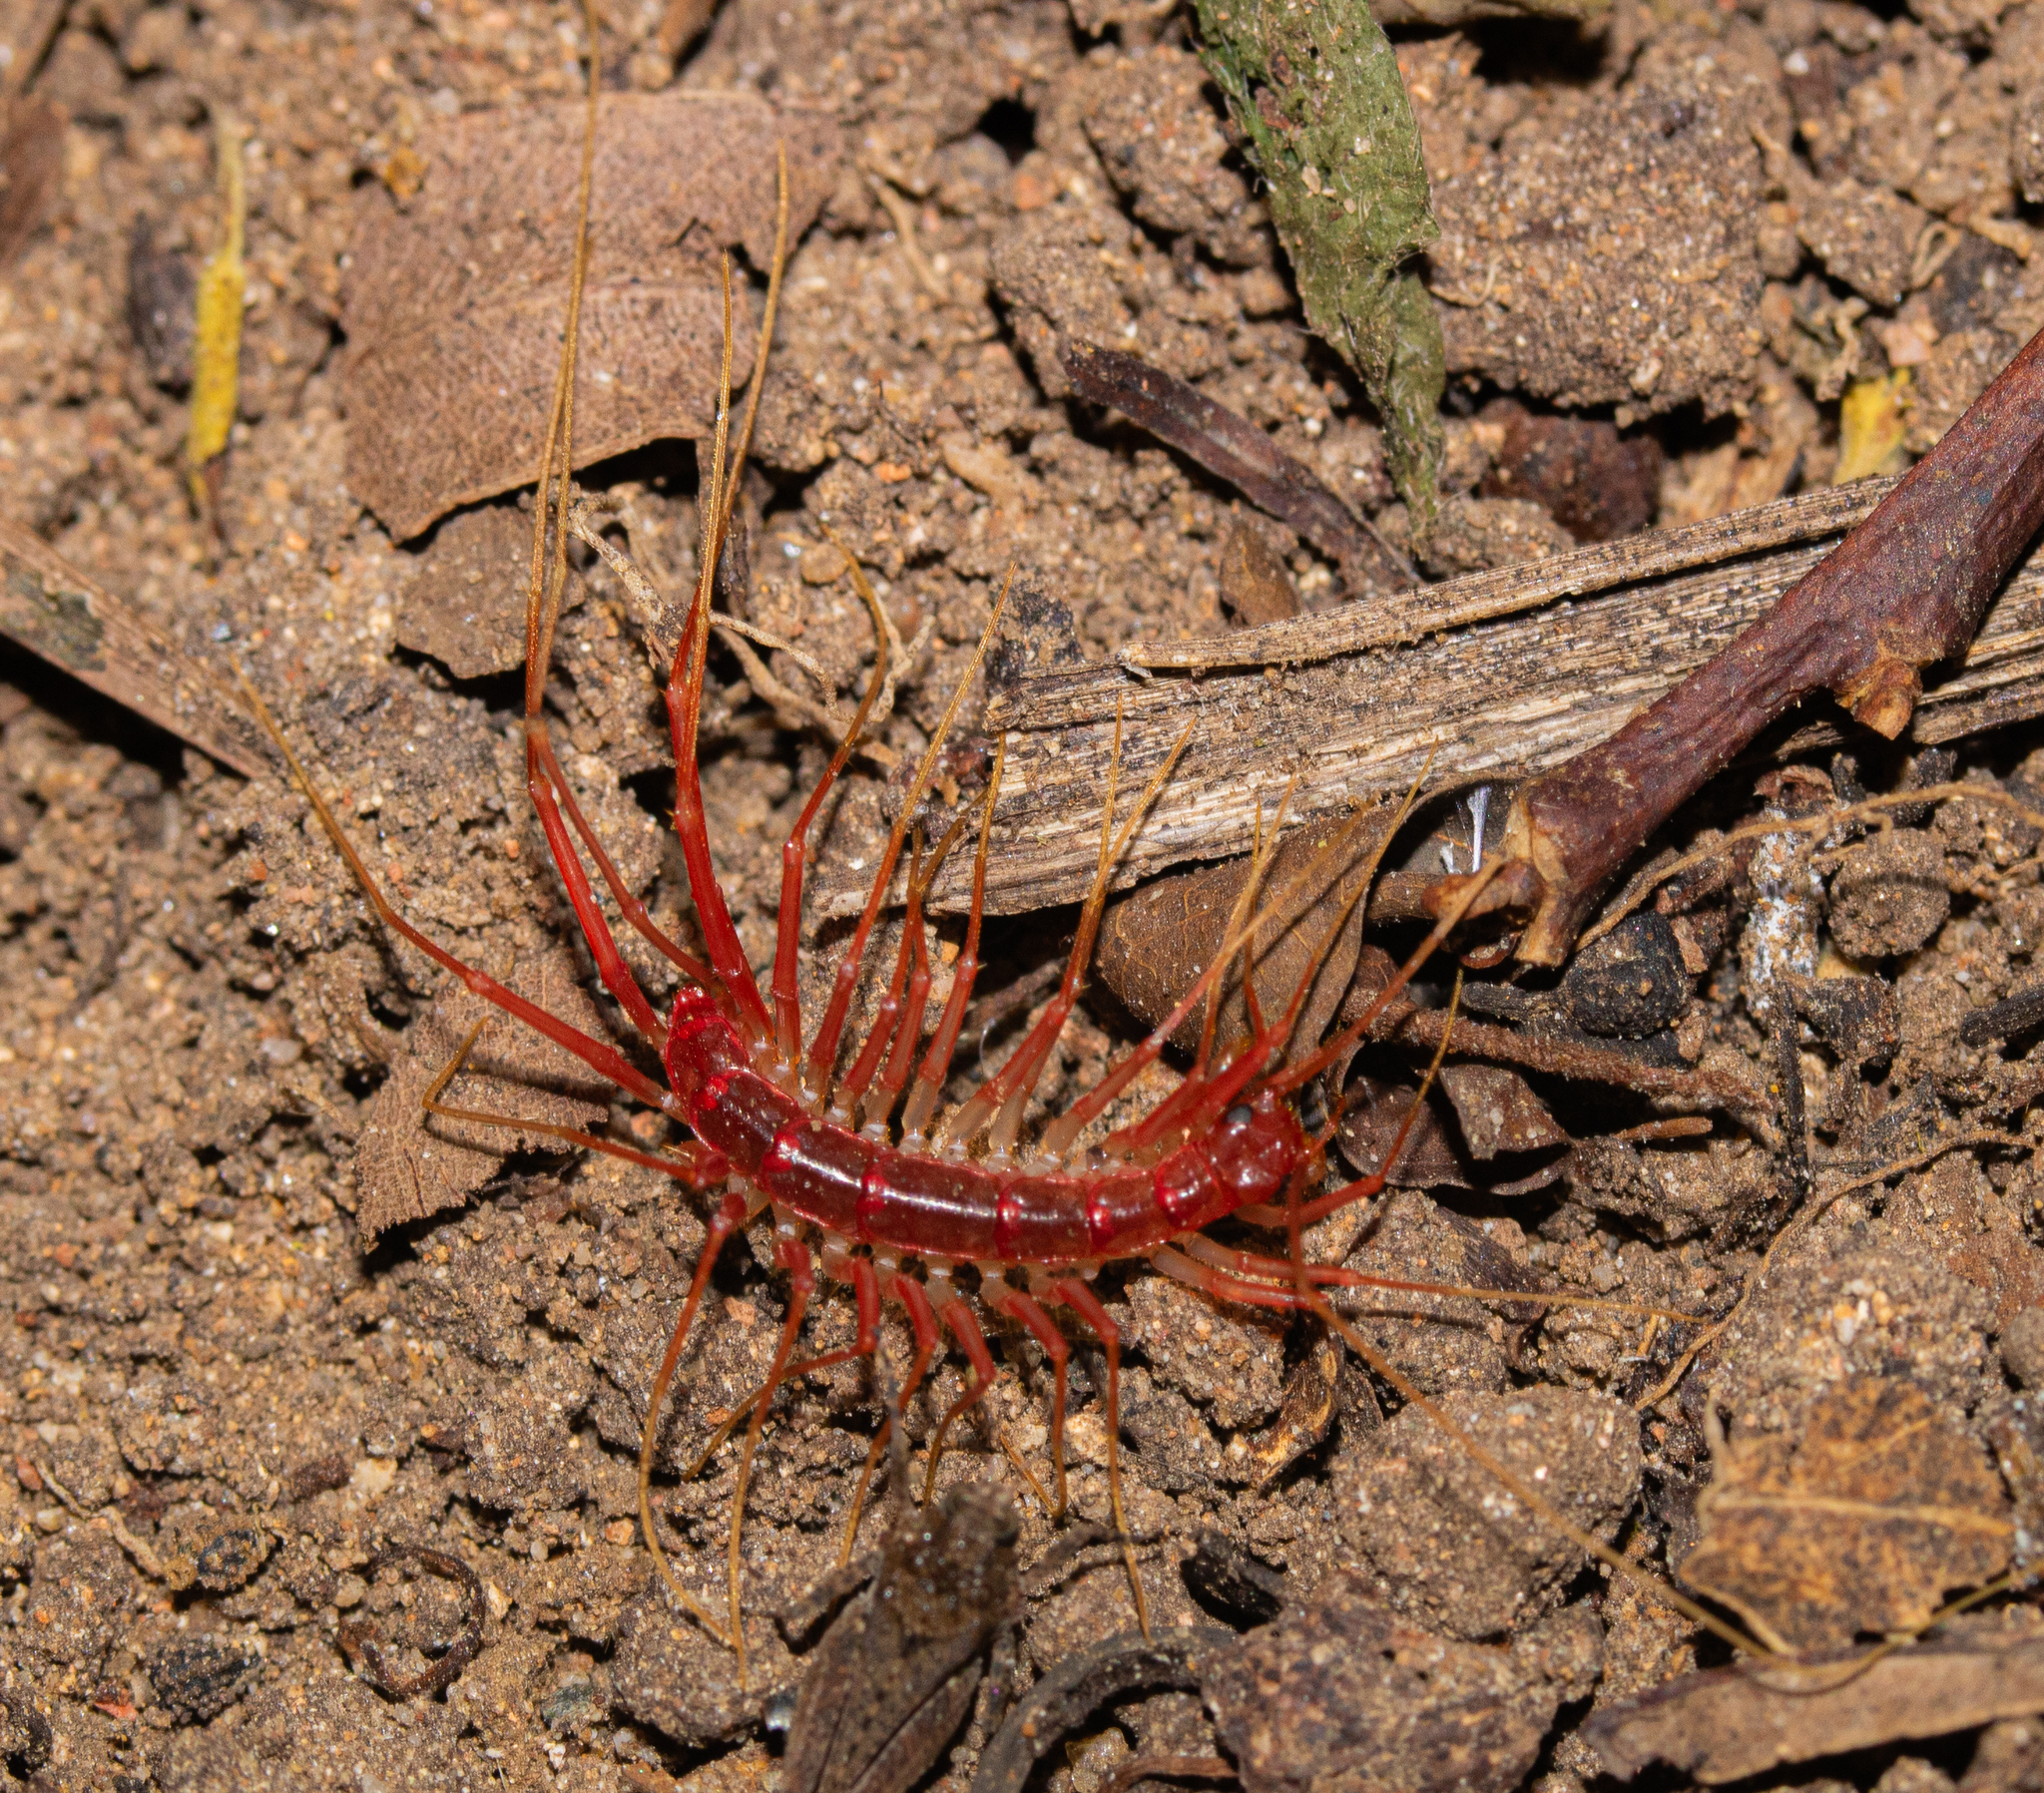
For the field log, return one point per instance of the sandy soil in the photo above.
(220, 1404)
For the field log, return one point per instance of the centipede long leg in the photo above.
(1081, 1299)
(923, 1321)
(792, 1256)
(1018, 1306)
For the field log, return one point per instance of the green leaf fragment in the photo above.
(1313, 86)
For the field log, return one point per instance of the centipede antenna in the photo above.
(685, 712)
(633, 910)
(1358, 889)
(824, 1052)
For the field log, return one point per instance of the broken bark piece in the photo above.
(454, 300)
(1857, 1521)
(1727, 1723)
(1906, 589)
(1232, 448)
(2016, 1014)
(53, 609)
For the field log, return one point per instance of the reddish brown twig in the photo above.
(1903, 590)
(1235, 449)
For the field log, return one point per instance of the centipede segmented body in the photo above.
(953, 1217)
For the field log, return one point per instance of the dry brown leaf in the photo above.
(457, 296)
(409, 1164)
(1498, 1111)
(1155, 942)
(1727, 1723)
(1862, 1521)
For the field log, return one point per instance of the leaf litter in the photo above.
(201, 1336)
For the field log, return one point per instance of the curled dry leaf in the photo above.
(1727, 1723)
(409, 1164)
(1155, 942)
(1861, 1521)
(456, 296)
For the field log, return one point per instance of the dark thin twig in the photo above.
(1235, 449)
(1079, 1683)
(361, 1649)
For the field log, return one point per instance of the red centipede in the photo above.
(952, 1216)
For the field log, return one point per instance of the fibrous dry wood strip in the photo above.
(54, 610)
(1498, 699)
(1509, 590)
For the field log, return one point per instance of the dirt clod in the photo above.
(1341, 1694)
(1888, 894)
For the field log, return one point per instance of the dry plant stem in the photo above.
(1354, 722)
(52, 609)
(1906, 589)
(1233, 449)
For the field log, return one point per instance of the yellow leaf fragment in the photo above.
(1871, 428)
(216, 353)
